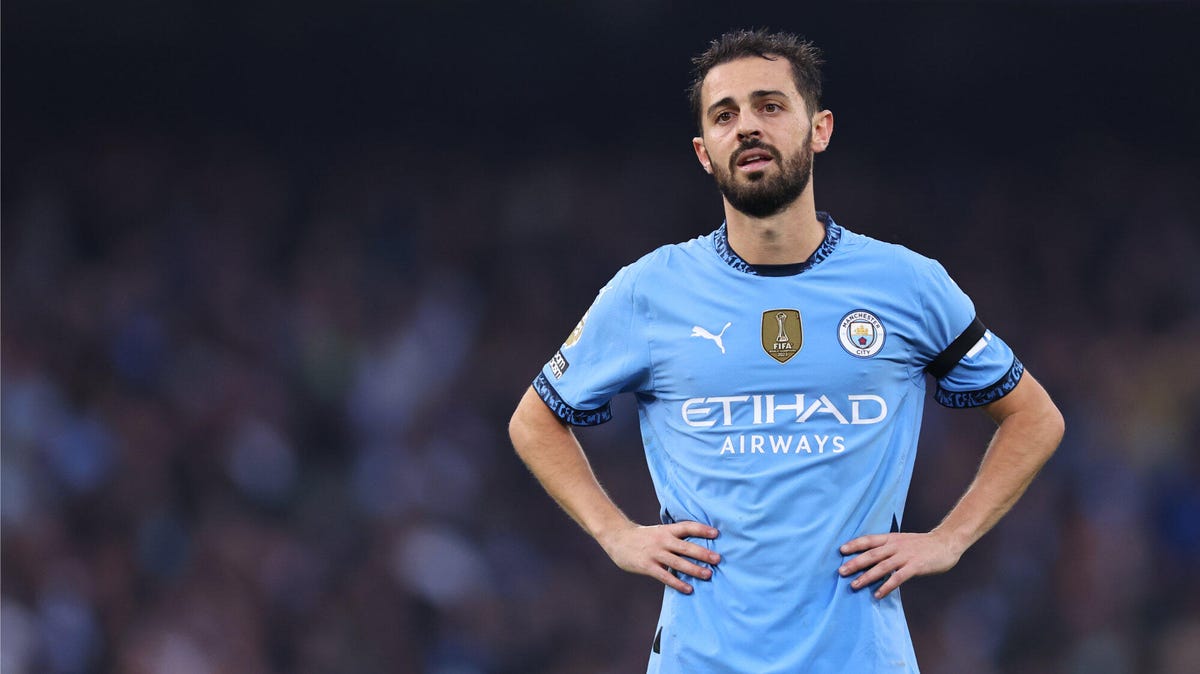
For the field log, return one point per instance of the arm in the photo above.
(1030, 428)
(554, 456)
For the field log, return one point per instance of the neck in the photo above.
(788, 237)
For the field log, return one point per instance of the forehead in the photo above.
(738, 78)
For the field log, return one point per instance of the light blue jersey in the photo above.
(781, 406)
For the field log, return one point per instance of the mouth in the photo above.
(754, 159)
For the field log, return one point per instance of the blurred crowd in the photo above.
(255, 404)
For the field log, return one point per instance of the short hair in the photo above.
(804, 56)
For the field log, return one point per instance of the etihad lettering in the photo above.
(770, 408)
(783, 444)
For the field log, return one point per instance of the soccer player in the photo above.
(779, 369)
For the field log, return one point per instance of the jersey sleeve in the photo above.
(972, 366)
(606, 354)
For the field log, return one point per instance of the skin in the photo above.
(549, 448)
(756, 98)
(1030, 428)
(743, 99)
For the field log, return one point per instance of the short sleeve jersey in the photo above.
(781, 406)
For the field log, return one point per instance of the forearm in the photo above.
(549, 449)
(551, 452)
(1030, 428)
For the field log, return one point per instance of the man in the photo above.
(779, 369)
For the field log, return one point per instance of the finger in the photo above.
(853, 566)
(691, 530)
(697, 552)
(670, 580)
(898, 578)
(863, 561)
(863, 543)
(683, 566)
(874, 574)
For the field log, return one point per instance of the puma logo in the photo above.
(698, 331)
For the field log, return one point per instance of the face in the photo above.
(758, 140)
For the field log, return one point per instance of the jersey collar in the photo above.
(833, 234)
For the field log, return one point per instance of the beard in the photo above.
(760, 196)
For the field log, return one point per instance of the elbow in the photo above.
(529, 421)
(1058, 425)
(517, 427)
(533, 423)
(521, 436)
(1052, 427)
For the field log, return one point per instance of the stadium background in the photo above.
(274, 276)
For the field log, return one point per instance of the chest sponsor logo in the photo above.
(767, 423)
(782, 333)
(771, 409)
(861, 333)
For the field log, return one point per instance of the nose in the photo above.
(748, 126)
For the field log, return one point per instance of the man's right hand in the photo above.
(657, 550)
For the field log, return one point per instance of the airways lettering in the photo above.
(783, 444)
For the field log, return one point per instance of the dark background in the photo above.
(275, 275)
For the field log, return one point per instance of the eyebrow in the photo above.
(761, 93)
(719, 104)
(754, 96)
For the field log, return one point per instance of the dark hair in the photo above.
(803, 55)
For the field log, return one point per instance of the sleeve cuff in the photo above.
(990, 394)
(564, 411)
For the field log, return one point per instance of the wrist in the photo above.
(955, 539)
(605, 531)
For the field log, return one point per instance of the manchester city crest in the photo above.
(782, 333)
(861, 333)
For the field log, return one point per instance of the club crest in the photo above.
(861, 333)
(782, 333)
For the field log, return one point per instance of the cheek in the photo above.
(719, 147)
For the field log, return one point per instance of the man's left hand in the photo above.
(903, 555)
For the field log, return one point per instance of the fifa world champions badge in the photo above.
(782, 333)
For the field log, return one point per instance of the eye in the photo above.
(724, 117)
(771, 108)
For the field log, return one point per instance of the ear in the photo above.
(822, 130)
(702, 154)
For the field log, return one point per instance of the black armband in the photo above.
(948, 358)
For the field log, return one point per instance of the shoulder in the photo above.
(869, 250)
(682, 253)
(671, 261)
